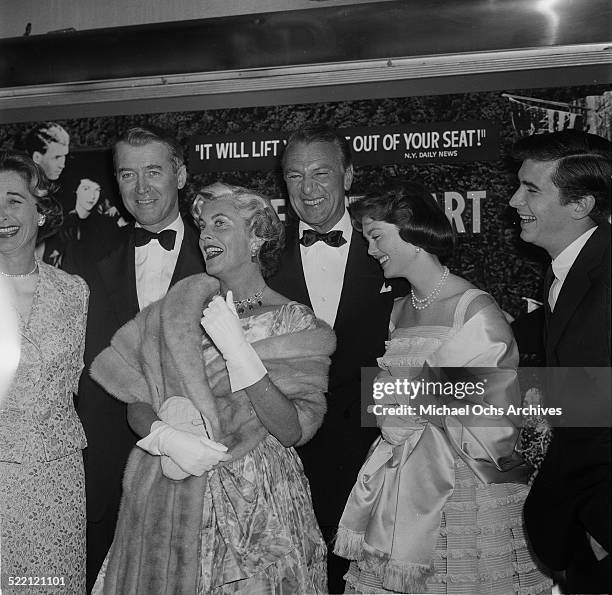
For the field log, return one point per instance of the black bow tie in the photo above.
(165, 238)
(331, 238)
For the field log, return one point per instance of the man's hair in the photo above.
(320, 133)
(584, 166)
(138, 136)
(42, 135)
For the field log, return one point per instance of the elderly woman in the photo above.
(437, 507)
(42, 492)
(214, 498)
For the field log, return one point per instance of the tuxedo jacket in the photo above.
(113, 302)
(571, 494)
(335, 454)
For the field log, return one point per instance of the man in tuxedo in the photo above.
(563, 201)
(326, 266)
(152, 255)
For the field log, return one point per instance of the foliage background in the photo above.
(495, 260)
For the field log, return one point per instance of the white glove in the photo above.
(221, 323)
(193, 454)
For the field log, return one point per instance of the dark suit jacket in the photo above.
(335, 454)
(113, 302)
(571, 494)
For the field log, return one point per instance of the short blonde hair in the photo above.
(257, 211)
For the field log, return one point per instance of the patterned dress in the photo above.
(42, 490)
(283, 503)
(480, 546)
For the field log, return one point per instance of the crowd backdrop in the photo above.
(473, 187)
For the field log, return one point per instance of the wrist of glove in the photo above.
(193, 454)
(221, 323)
(244, 367)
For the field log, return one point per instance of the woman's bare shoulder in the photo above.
(276, 299)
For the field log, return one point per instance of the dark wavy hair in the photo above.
(260, 217)
(40, 187)
(416, 213)
(584, 166)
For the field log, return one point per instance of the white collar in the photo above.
(564, 261)
(344, 225)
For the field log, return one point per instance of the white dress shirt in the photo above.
(324, 268)
(155, 266)
(563, 263)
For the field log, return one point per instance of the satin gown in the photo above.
(437, 508)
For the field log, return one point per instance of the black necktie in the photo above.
(165, 238)
(331, 238)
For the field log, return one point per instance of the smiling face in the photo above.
(317, 183)
(545, 221)
(18, 214)
(53, 160)
(386, 246)
(87, 194)
(148, 183)
(224, 239)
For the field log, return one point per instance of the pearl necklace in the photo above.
(422, 303)
(20, 275)
(250, 302)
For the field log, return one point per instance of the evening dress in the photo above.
(432, 511)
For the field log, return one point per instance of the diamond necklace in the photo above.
(422, 303)
(250, 302)
(20, 275)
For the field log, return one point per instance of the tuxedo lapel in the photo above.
(290, 281)
(190, 260)
(118, 274)
(576, 285)
(360, 271)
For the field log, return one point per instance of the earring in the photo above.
(417, 249)
(41, 220)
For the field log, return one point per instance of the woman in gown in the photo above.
(215, 499)
(437, 506)
(42, 490)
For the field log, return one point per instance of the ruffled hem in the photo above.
(475, 554)
(461, 506)
(459, 554)
(364, 587)
(470, 577)
(349, 544)
(492, 529)
(406, 578)
(516, 498)
(537, 589)
(394, 575)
